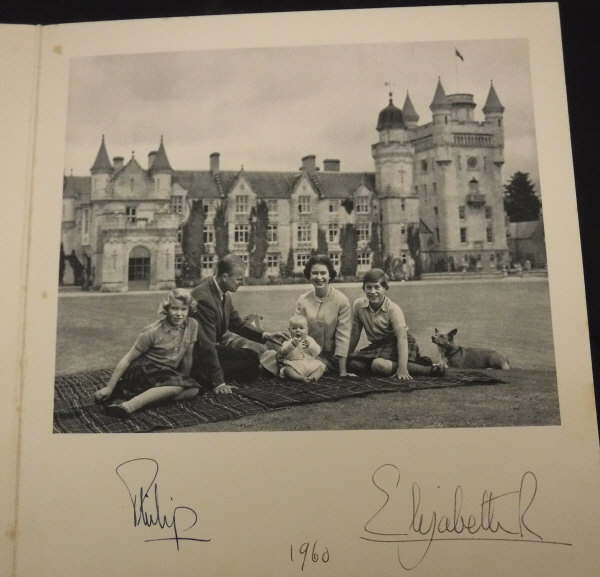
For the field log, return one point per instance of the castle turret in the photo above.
(161, 171)
(440, 106)
(494, 117)
(394, 164)
(411, 118)
(101, 171)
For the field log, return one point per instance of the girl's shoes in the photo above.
(117, 410)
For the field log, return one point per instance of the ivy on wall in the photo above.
(414, 247)
(257, 242)
(192, 243)
(221, 230)
(349, 244)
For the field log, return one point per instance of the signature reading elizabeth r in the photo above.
(140, 477)
(407, 519)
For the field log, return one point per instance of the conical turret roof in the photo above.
(408, 110)
(440, 100)
(492, 104)
(390, 117)
(102, 162)
(161, 162)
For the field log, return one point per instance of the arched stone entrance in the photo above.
(138, 275)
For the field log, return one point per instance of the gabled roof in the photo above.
(102, 162)
(76, 186)
(132, 166)
(277, 185)
(492, 104)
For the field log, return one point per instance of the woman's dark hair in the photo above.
(319, 259)
(376, 275)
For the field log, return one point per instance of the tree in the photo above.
(192, 243)
(321, 242)
(520, 201)
(258, 242)
(375, 244)
(413, 240)
(349, 244)
(221, 230)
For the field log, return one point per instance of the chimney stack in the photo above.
(331, 165)
(214, 162)
(309, 163)
(151, 157)
(118, 163)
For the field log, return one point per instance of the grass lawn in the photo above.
(511, 315)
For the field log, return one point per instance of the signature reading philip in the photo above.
(140, 477)
(413, 524)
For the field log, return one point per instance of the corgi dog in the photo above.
(467, 357)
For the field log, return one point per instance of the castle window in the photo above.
(302, 259)
(241, 233)
(178, 264)
(461, 212)
(272, 206)
(335, 259)
(423, 166)
(488, 212)
(435, 188)
(435, 210)
(304, 232)
(273, 261)
(333, 233)
(437, 234)
(463, 235)
(130, 213)
(403, 230)
(179, 235)
(304, 205)
(362, 205)
(207, 205)
(272, 233)
(177, 204)
(241, 204)
(208, 235)
(207, 262)
(363, 230)
(333, 205)
(363, 259)
(489, 231)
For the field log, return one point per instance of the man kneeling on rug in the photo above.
(215, 362)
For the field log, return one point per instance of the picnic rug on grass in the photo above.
(76, 412)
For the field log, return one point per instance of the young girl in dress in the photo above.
(392, 350)
(157, 366)
(298, 357)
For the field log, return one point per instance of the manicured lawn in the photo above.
(511, 315)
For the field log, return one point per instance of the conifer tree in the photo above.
(520, 200)
(192, 242)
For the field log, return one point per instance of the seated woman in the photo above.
(392, 350)
(328, 313)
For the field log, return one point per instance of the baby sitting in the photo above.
(298, 358)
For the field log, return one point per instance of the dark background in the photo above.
(581, 44)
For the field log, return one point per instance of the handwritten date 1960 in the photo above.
(306, 553)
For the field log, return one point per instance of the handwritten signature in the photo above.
(495, 517)
(140, 479)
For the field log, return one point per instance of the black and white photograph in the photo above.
(389, 194)
(295, 293)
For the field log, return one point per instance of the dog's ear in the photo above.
(452, 333)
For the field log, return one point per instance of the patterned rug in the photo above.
(76, 412)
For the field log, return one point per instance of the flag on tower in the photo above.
(457, 53)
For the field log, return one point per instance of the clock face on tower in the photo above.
(472, 162)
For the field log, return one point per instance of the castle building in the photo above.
(433, 203)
